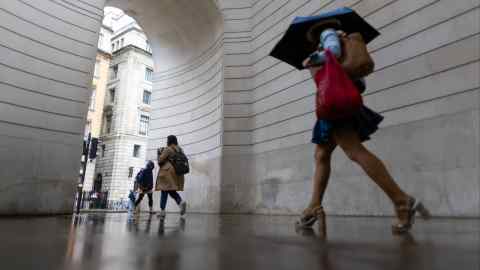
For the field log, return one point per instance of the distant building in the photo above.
(131, 34)
(104, 39)
(126, 111)
(96, 105)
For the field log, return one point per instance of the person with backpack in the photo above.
(173, 166)
(349, 132)
(144, 181)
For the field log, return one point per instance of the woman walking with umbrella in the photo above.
(347, 132)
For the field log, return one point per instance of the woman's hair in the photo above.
(172, 139)
(313, 34)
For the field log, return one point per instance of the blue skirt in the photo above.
(365, 122)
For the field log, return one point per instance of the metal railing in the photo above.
(99, 200)
(94, 200)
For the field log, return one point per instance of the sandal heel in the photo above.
(306, 223)
(309, 217)
(322, 224)
(423, 211)
(406, 215)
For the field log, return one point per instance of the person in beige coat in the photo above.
(168, 181)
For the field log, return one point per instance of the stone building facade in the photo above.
(94, 123)
(124, 106)
(123, 143)
(98, 90)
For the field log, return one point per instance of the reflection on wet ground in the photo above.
(110, 241)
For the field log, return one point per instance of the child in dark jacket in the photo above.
(131, 205)
(144, 181)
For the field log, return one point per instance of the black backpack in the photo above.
(180, 162)
(139, 176)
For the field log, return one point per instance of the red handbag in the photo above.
(337, 97)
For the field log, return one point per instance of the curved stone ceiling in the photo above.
(178, 30)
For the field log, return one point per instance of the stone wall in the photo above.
(47, 54)
(425, 83)
(244, 117)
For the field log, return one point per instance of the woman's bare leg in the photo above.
(323, 156)
(349, 141)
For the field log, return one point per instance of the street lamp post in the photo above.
(82, 176)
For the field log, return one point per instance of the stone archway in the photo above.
(47, 62)
(186, 40)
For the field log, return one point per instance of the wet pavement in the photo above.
(230, 242)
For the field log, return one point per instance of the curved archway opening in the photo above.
(186, 90)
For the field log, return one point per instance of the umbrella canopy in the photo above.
(294, 46)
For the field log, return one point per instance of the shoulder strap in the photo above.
(177, 149)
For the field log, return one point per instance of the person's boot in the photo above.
(162, 214)
(183, 208)
(150, 211)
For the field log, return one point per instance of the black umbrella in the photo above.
(294, 46)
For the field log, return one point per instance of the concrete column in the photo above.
(47, 54)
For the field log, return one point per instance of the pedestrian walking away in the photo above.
(144, 180)
(171, 176)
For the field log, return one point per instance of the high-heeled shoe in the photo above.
(310, 216)
(406, 215)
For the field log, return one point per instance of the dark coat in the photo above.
(145, 180)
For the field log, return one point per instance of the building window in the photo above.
(92, 100)
(100, 40)
(147, 47)
(97, 186)
(96, 72)
(147, 96)
(121, 43)
(113, 47)
(108, 124)
(111, 93)
(130, 172)
(148, 74)
(144, 122)
(118, 44)
(114, 72)
(136, 150)
(103, 150)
